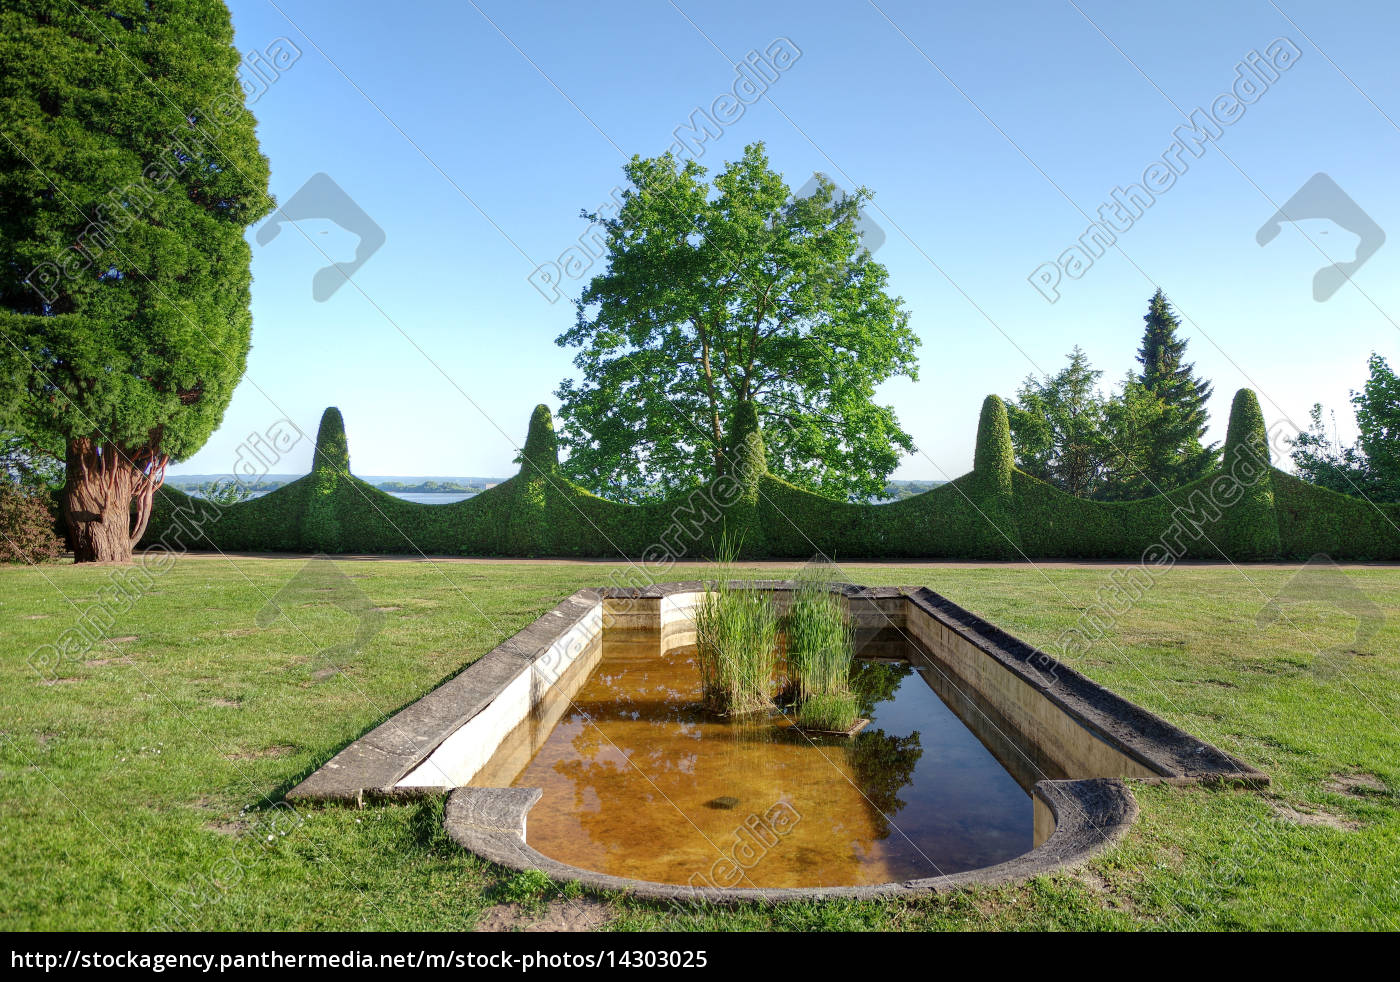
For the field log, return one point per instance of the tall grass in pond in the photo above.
(736, 638)
(820, 649)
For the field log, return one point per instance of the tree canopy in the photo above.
(1057, 427)
(1138, 442)
(725, 293)
(129, 171)
(1370, 467)
(1172, 451)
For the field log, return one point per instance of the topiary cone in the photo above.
(528, 527)
(992, 488)
(320, 528)
(1248, 527)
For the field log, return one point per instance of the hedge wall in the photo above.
(1246, 510)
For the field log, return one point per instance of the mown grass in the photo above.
(138, 785)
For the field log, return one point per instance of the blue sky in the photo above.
(473, 134)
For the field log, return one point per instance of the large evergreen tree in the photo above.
(725, 300)
(129, 171)
(1173, 453)
(1057, 427)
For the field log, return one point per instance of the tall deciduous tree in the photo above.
(717, 295)
(1173, 453)
(1378, 419)
(129, 170)
(1369, 468)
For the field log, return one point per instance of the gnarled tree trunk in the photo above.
(103, 479)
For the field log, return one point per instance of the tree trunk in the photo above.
(101, 482)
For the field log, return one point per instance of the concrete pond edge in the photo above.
(1081, 817)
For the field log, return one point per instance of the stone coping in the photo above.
(1087, 814)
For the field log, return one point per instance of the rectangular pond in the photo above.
(640, 781)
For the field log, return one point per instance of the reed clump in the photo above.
(736, 638)
(820, 650)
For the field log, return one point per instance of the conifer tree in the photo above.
(129, 172)
(1173, 453)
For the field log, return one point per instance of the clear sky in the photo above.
(473, 133)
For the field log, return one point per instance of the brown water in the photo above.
(639, 781)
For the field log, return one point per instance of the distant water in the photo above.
(433, 497)
(418, 497)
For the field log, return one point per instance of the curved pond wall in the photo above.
(512, 696)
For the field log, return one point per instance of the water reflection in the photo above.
(639, 780)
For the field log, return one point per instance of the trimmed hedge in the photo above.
(1246, 510)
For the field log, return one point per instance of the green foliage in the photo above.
(330, 467)
(720, 293)
(1058, 423)
(1132, 421)
(124, 273)
(26, 526)
(1252, 530)
(1141, 441)
(540, 455)
(1313, 520)
(1322, 459)
(748, 460)
(1378, 419)
(993, 458)
(228, 492)
(528, 888)
(332, 452)
(27, 465)
(529, 524)
(1173, 453)
(976, 516)
(1371, 468)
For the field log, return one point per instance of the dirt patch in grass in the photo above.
(33, 617)
(226, 703)
(321, 674)
(99, 662)
(1355, 785)
(125, 639)
(1316, 819)
(1105, 889)
(62, 681)
(231, 829)
(279, 750)
(578, 914)
(239, 632)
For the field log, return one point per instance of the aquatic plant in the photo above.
(736, 638)
(820, 650)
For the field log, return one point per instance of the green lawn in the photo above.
(135, 780)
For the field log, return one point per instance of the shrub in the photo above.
(26, 527)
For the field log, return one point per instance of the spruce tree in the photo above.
(129, 172)
(1173, 453)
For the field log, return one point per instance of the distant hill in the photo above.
(430, 484)
(414, 483)
(898, 490)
